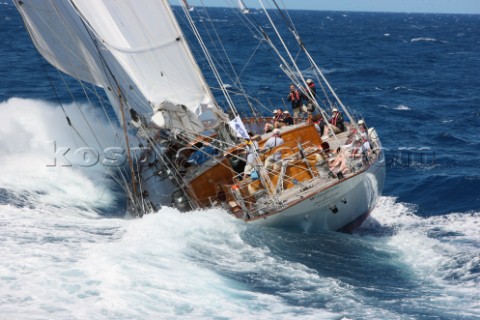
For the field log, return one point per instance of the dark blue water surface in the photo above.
(416, 79)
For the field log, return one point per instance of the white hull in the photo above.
(353, 198)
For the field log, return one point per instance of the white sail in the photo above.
(59, 35)
(242, 7)
(145, 39)
(132, 47)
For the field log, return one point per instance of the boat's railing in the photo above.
(300, 164)
(299, 167)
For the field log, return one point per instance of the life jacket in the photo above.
(278, 117)
(336, 119)
(312, 89)
(295, 96)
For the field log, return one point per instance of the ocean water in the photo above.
(69, 252)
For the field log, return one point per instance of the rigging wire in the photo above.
(298, 73)
(70, 57)
(295, 73)
(313, 63)
(209, 59)
(120, 98)
(236, 79)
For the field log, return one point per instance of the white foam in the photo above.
(403, 107)
(27, 130)
(170, 265)
(169, 250)
(440, 251)
(423, 39)
(146, 268)
(408, 89)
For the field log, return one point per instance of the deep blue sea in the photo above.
(68, 252)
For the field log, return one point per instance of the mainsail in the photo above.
(133, 47)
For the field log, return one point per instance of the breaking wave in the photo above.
(31, 170)
(426, 40)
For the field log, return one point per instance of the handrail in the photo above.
(300, 165)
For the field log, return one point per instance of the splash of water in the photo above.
(26, 171)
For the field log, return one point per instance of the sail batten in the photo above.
(139, 50)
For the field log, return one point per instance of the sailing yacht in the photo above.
(188, 152)
(242, 7)
(189, 7)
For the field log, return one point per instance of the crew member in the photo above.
(296, 99)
